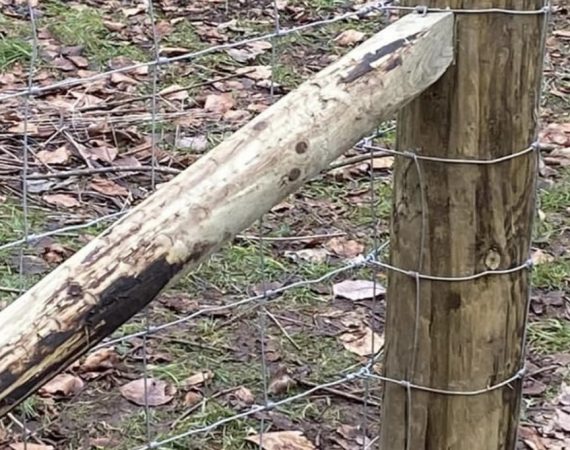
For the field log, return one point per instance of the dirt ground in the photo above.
(209, 367)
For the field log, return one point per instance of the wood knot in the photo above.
(294, 174)
(492, 259)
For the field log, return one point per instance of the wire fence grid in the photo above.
(366, 372)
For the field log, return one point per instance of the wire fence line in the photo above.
(364, 372)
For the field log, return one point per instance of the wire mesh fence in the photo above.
(325, 357)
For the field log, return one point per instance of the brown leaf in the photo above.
(101, 151)
(63, 384)
(255, 72)
(531, 438)
(563, 420)
(358, 289)
(58, 156)
(534, 388)
(55, 253)
(119, 78)
(24, 128)
(174, 92)
(540, 257)
(196, 143)
(63, 200)
(219, 103)
(363, 342)
(283, 440)
(192, 398)
(349, 37)
(30, 446)
(63, 64)
(314, 255)
(244, 396)
(108, 187)
(113, 26)
(281, 383)
(29, 264)
(198, 379)
(159, 392)
(100, 360)
(344, 247)
(385, 162)
(79, 61)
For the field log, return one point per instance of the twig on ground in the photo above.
(283, 330)
(341, 393)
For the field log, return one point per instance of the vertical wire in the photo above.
(155, 75)
(25, 169)
(263, 311)
(375, 245)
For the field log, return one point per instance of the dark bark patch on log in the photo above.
(367, 63)
(259, 126)
(294, 174)
(133, 292)
(301, 147)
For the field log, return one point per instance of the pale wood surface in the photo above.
(122, 270)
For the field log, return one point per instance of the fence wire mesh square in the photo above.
(265, 343)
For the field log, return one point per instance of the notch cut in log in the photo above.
(118, 273)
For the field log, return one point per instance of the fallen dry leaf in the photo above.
(386, 162)
(100, 360)
(192, 398)
(196, 143)
(283, 440)
(255, 72)
(281, 382)
(363, 342)
(314, 255)
(30, 446)
(58, 156)
(64, 200)
(198, 379)
(540, 257)
(108, 187)
(244, 395)
(63, 384)
(349, 37)
(219, 103)
(563, 420)
(358, 289)
(346, 248)
(159, 392)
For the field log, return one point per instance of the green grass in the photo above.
(13, 50)
(83, 26)
(557, 198)
(549, 336)
(552, 275)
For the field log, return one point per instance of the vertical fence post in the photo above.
(456, 220)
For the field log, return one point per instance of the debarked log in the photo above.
(118, 273)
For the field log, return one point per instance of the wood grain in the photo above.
(478, 218)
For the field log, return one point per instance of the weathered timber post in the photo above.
(477, 218)
(118, 273)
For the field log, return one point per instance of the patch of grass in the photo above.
(238, 267)
(552, 275)
(84, 26)
(13, 50)
(556, 198)
(549, 336)
(184, 35)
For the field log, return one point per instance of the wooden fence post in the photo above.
(477, 218)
